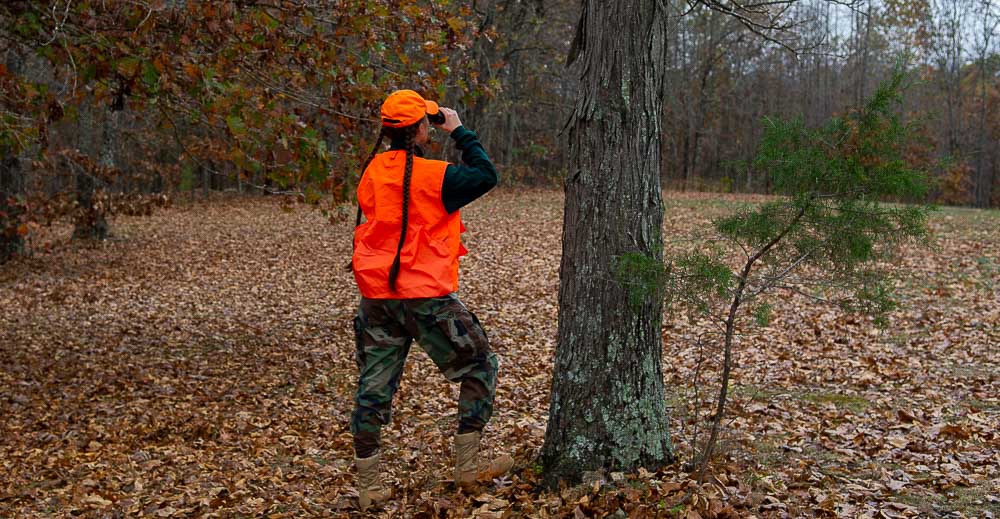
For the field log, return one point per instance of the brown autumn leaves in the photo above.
(201, 364)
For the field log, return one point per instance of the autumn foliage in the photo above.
(275, 94)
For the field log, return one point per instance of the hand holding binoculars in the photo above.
(437, 118)
(446, 119)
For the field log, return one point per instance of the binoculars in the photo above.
(437, 118)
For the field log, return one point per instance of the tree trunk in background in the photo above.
(984, 168)
(205, 179)
(11, 242)
(865, 44)
(511, 121)
(607, 407)
(92, 224)
(951, 72)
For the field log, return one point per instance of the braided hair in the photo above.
(407, 135)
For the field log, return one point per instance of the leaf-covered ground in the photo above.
(201, 364)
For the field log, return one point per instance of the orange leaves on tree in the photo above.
(457, 24)
(256, 75)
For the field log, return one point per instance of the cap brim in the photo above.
(432, 107)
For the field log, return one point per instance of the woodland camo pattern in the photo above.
(452, 337)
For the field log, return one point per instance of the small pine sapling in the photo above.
(847, 201)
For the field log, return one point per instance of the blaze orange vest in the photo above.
(428, 263)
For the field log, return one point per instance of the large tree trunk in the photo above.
(607, 406)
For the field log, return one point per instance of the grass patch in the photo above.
(767, 452)
(707, 202)
(901, 339)
(755, 393)
(983, 405)
(853, 403)
(968, 370)
(988, 270)
(970, 212)
(676, 400)
(926, 503)
(971, 501)
(770, 452)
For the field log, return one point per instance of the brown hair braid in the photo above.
(408, 134)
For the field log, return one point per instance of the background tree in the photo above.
(988, 13)
(844, 52)
(520, 123)
(11, 237)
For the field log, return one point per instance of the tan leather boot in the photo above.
(370, 491)
(467, 471)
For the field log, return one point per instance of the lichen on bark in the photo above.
(608, 408)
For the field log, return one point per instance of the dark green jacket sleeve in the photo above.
(470, 180)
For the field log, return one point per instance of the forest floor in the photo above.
(201, 363)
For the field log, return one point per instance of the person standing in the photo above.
(405, 263)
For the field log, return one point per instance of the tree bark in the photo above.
(607, 406)
(984, 171)
(91, 223)
(865, 45)
(11, 184)
(11, 241)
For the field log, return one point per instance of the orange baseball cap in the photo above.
(405, 107)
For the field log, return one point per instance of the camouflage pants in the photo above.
(452, 337)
